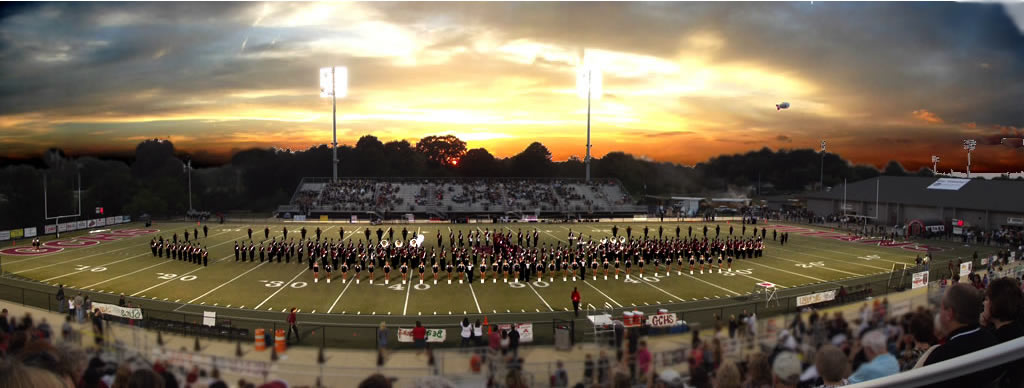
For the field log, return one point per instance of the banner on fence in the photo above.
(5, 235)
(433, 335)
(82, 224)
(187, 360)
(50, 229)
(126, 219)
(661, 320)
(118, 311)
(62, 227)
(91, 224)
(354, 219)
(815, 298)
(210, 318)
(119, 219)
(111, 220)
(965, 269)
(525, 330)
(299, 217)
(30, 232)
(17, 233)
(920, 280)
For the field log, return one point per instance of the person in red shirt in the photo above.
(292, 327)
(494, 339)
(419, 337)
(576, 301)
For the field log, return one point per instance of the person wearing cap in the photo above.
(879, 362)
(786, 370)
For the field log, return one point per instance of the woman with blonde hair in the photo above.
(728, 376)
(759, 371)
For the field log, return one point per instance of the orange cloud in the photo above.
(971, 125)
(928, 117)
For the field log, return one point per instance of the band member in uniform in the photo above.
(483, 269)
(575, 267)
(657, 264)
(152, 248)
(206, 255)
(284, 232)
(505, 267)
(692, 262)
(302, 233)
(606, 265)
(593, 267)
(422, 268)
(552, 267)
(701, 261)
(720, 259)
(358, 268)
(252, 251)
(515, 271)
(617, 263)
(369, 269)
(344, 271)
(461, 269)
(316, 271)
(629, 265)
(729, 260)
(449, 268)
(640, 266)
(387, 271)
(404, 269)
(494, 270)
(236, 250)
(327, 269)
(261, 252)
(266, 232)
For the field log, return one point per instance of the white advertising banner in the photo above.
(62, 227)
(525, 331)
(948, 184)
(815, 298)
(965, 269)
(209, 318)
(920, 280)
(91, 224)
(433, 335)
(50, 229)
(30, 232)
(299, 217)
(126, 218)
(82, 224)
(118, 219)
(111, 220)
(662, 320)
(5, 235)
(118, 311)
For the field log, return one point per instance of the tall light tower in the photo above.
(588, 85)
(969, 145)
(334, 84)
(935, 164)
(822, 166)
(188, 168)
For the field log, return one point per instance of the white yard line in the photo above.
(77, 249)
(876, 251)
(791, 273)
(659, 289)
(837, 260)
(713, 284)
(538, 295)
(407, 291)
(130, 273)
(226, 283)
(283, 286)
(339, 297)
(602, 293)
(478, 310)
(76, 272)
(166, 281)
(825, 267)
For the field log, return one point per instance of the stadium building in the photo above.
(927, 202)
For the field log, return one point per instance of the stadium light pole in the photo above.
(969, 145)
(588, 85)
(188, 166)
(334, 84)
(822, 184)
(935, 164)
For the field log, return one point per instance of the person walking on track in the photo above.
(576, 301)
(292, 327)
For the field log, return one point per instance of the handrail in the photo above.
(991, 357)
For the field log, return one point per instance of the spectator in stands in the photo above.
(727, 376)
(958, 320)
(643, 359)
(559, 379)
(478, 334)
(832, 366)
(1003, 304)
(14, 374)
(382, 339)
(419, 337)
(922, 336)
(467, 332)
(699, 378)
(880, 362)
(786, 370)
(494, 339)
(759, 372)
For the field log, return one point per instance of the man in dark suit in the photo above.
(958, 318)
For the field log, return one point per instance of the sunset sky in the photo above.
(683, 81)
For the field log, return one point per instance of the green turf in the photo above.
(254, 295)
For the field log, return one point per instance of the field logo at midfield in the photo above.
(76, 242)
(910, 246)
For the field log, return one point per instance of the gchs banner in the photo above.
(661, 320)
(965, 269)
(920, 280)
(815, 298)
(30, 232)
(525, 330)
(118, 311)
(433, 335)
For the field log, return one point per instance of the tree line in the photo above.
(155, 181)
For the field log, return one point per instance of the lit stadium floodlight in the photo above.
(935, 164)
(334, 84)
(969, 145)
(822, 166)
(588, 85)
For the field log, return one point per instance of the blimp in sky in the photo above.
(780, 106)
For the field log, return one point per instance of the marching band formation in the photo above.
(491, 254)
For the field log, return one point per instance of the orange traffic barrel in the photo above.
(279, 341)
(261, 343)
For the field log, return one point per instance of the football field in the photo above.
(119, 260)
